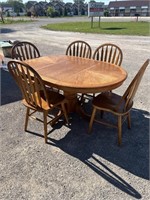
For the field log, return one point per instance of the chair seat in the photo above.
(110, 101)
(53, 97)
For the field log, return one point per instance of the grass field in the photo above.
(12, 21)
(115, 28)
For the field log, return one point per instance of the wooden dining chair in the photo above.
(110, 53)
(24, 51)
(117, 105)
(82, 49)
(79, 48)
(107, 52)
(36, 97)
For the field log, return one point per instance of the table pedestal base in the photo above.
(74, 105)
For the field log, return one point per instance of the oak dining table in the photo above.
(76, 75)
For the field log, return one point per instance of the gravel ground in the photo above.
(74, 166)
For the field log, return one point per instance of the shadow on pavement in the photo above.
(93, 150)
(6, 30)
(113, 28)
(99, 148)
(9, 90)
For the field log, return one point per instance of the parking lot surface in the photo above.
(73, 165)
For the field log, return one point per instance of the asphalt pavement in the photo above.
(74, 165)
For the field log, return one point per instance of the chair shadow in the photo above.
(133, 155)
(9, 90)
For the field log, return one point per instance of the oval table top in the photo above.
(75, 74)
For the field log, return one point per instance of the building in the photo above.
(129, 8)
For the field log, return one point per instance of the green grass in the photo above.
(11, 21)
(115, 28)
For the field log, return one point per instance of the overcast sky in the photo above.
(105, 1)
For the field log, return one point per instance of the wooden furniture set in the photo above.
(74, 73)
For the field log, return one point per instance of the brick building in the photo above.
(129, 8)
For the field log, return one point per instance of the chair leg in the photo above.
(129, 120)
(65, 113)
(82, 98)
(119, 130)
(45, 125)
(27, 118)
(92, 119)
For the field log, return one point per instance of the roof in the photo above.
(6, 5)
(129, 3)
(32, 2)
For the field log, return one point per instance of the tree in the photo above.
(1, 15)
(10, 1)
(137, 16)
(65, 11)
(17, 5)
(60, 11)
(79, 1)
(49, 11)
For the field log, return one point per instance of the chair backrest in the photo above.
(132, 88)
(24, 51)
(80, 49)
(110, 53)
(30, 83)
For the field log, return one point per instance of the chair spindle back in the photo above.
(29, 82)
(109, 53)
(132, 88)
(24, 51)
(79, 49)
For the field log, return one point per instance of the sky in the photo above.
(105, 1)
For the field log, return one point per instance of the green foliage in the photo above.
(8, 14)
(106, 13)
(55, 14)
(49, 11)
(17, 5)
(79, 1)
(11, 1)
(115, 28)
(65, 11)
(52, 13)
(11, 21)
